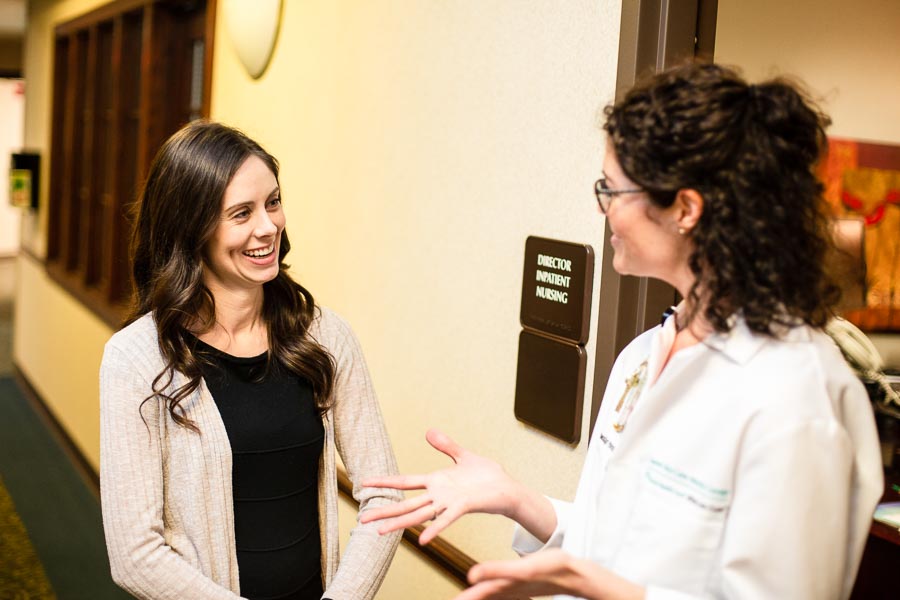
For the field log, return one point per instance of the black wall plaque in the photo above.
(557, 282)
(550, 385)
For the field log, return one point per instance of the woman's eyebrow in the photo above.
(247, 203)
(244, 204)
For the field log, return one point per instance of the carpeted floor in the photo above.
(59, 511)
(21, 572)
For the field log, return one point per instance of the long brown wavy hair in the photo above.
(751, 152)
(177, 214)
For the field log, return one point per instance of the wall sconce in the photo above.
(253, 29)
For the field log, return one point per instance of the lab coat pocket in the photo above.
(674, 530)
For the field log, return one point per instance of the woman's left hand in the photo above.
(546, 573)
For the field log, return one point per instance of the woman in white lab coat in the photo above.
(735, 454)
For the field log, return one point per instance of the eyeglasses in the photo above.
(605, 195)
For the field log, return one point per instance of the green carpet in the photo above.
(21, 573)
(60, 513)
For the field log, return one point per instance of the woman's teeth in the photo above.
(261, 253)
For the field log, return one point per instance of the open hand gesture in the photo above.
(472, 484)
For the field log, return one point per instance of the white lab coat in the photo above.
(749, 469)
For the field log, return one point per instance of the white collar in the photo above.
(740, 344)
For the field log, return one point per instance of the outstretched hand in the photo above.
(547, 573)
(472, 484)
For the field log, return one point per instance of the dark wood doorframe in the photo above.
(654, 35)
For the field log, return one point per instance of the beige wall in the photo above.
(421, 143)
(848, 53)
(58, 344)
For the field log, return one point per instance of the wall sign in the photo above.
(555, 313)
(550, 385)
(557, 282)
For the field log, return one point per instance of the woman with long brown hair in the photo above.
(735, 453)
(226, 395)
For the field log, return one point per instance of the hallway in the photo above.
(57, 504)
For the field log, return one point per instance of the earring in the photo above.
(681, 231)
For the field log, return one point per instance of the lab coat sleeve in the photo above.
(525, 543)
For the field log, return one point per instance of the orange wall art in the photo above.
(862, 181)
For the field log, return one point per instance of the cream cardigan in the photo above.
(166, 491)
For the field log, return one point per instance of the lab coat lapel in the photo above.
(655, 400)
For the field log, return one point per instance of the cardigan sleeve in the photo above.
(131, 490)
(365, 450)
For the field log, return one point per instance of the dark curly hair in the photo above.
(177, 214)
(750, 151)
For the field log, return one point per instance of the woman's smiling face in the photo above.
(243, 251)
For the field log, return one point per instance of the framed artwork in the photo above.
(862, 187)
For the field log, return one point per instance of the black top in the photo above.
(276, 437)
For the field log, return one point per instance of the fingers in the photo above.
(409, 518)
(397, 482)
(441, 441)
(444, 519)
(392, 510)
(417, 517)
(496, 569)
(544, 565)
(486, 591)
